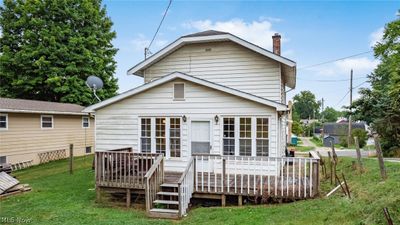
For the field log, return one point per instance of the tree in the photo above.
(306, 105)
(330, 114)
(379, 105)
(48, 49)
(362, 136)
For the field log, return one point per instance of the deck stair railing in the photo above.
(186, 187)
(153, 179)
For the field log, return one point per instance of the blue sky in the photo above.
(312, 32)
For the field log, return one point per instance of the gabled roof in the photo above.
(288, 66)
(35, 106)
(183, 76)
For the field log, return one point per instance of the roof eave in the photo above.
(42, 112)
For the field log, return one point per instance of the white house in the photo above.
(209, 92)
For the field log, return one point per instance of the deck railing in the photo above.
(122, 168)
(186, 187)
(288, 177)
(154, 178)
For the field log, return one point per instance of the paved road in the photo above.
(343, 152)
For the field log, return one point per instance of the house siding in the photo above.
(25, 138)
(225, 63)
(117, 125)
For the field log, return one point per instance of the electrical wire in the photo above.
(333, 80)
(334, 60)
(159, 26)
(349, 92)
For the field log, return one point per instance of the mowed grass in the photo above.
(60, 198)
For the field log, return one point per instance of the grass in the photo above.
(303, 148)
(60, 198)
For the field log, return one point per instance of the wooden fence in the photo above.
(45, 157)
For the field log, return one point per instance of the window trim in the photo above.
(83, 117)
(173, 91)
(41, 122)
(6, 115)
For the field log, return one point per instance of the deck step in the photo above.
(172, 211)
(168, 202)
(169, 185)
(167, 193)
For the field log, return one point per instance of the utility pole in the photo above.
(351, 101)
(322, 118)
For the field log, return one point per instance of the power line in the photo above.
(334, 60)
(332, 80)
(348, 92)
(158, 28)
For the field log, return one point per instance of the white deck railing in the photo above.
(295, 177)
(186, 187)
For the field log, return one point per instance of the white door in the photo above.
(200, 137)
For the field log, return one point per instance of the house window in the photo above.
(245, 137)
(88, 149)
(3, 121)
(145, 139)
(85, 122)
(47, 122)
(175, 137)
(3, 159)
(160, 136)
(229, 136)
(262, 137)
(179, 91)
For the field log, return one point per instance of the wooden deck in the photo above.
(206, 175)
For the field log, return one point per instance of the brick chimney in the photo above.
(276, 44)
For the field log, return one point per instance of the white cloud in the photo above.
(361, 65)
(141, 42)
(258, 32)
(376, 37)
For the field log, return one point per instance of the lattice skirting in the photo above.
(46, 157)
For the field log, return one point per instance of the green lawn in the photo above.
(303, 148)
(60, 198)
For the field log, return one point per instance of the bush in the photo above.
(362, 136)
(343, 142)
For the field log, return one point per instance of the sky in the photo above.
(312, 32)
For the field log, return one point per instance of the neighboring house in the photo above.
(208, 92)
(30, 127)
(339, 131)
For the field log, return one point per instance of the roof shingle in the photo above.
(206, 33)
(38, 106)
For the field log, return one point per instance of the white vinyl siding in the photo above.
(117, 124)
(228, 64)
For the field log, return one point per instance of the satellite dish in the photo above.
(94, 83)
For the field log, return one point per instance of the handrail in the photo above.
(186, 170)
(186, 187)
(154, 178)
(154, 166)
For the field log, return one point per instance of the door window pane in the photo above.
(175, 137)
(229, 136)
(160, 136)
(145, 139)
(245, 137)
(262, 141)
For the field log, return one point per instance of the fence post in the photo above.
(360, 166)
(71, 156)
(380, 157)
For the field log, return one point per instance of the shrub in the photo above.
(362, 136)
(343, 142)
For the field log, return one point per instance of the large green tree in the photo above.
(305, 105)
(380, 104)
(330, 114)
(49, 47)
